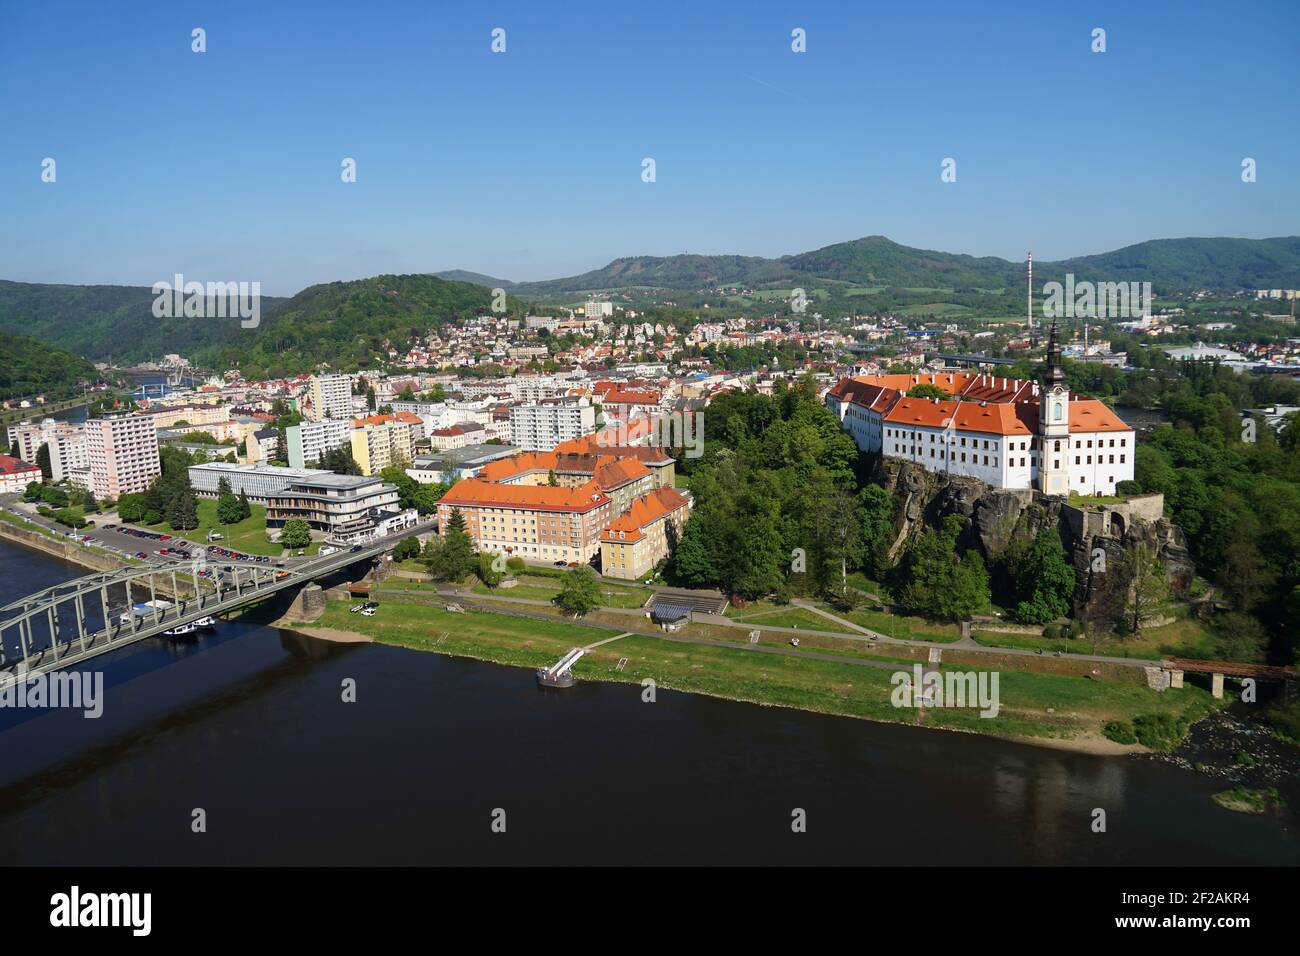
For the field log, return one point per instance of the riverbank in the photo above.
(1058, 712)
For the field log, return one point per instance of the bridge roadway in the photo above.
(232, 584)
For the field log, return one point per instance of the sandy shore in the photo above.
(324, 633)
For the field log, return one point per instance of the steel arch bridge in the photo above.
(81, 619)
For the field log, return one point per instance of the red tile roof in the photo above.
(643, 512)
(477, 493)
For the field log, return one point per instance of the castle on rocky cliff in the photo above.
(1008, 433)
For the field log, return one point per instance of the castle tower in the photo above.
(1054, 424)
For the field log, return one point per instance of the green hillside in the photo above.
(348, 325)
(875, 261)
(477, 278)
(103, 321)
(30, 367)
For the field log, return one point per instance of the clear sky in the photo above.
(527, 165)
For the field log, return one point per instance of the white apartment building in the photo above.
(540, 426)
(308, 441)
(68, 452)
(330, 397)
(122, 451)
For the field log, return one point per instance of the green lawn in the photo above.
(1080, 706)
(787, 617)
(1185, 637)
(248, 535)
(902, 626)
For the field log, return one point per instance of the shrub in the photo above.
(516, 564)
(1120, 731)
(1052, 630)
(1128, 488)
(782, 595)
(1159, 731)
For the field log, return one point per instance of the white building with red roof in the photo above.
(1008, 433)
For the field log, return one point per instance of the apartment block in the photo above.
(330, 396)
(309, 441)
(541, 425)
(381, 441)
(123, 454)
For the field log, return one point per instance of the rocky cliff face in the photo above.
(1100, 540)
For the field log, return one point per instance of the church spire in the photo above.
(1054, 374)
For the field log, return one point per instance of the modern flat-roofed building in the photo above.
(122, 452)
(330, 397)
(329, 502)
(257, 481)
(382, 440)
(307, 442)
(446, 467)
(540, 426)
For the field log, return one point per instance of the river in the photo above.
(248, 725)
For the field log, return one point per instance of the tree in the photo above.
(488, 571)
(229, 510)
(877, 526)
(245, 509)
(1044, 580)
(934, 582)
(407, 548)
(453, 556)
(926, 390)
(88, 503)
(692, 562)
(13, 450)
(43, 461)
(580, 592)
(131, 507)
(183, 515)
(1147, 588)
(295, 534)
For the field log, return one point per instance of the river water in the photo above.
(248, 726)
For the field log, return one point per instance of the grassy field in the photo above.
(787, 617)
(248, 535)
(1185, 637)
(1079, 707)
(545, 588)
(902, 626)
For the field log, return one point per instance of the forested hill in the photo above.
(349, 325)
(30, 367)
(109, 321)
(1168, 264)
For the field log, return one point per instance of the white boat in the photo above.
(180, 630)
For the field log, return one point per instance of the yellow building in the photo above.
(644, 535)
(380, 441)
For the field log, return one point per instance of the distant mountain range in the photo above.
(345, 322)
(1168, 264)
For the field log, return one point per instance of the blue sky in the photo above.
(225, 165)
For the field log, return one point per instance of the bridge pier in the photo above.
(1216, 686)
(308, 604)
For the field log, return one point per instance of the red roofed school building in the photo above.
(1008, 433)
(511, 507)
